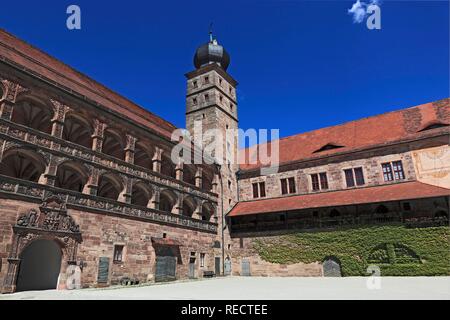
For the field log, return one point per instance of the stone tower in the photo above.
(211, 104)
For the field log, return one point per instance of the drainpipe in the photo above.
(218, 167)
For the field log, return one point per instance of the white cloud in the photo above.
(359, 10)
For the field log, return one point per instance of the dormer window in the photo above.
(433, 125)
(328, 146)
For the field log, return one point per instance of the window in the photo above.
(349, 178)
(288, 186)
(259, 190)
(195, 84)
(202, 259)
(315, 182)
(118, 253)
(387, 172)
(194, 100)
(220, 81)
(398, 170)
(206, 97)
(229, 184)
(319, 181)
(323, 180)
(393, 171)
(231, 106)
(206, 79)
(354, 177)
(221, 98)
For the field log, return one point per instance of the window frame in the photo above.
(118, 253)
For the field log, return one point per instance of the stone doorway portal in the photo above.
(40, 266)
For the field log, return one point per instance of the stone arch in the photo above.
(189, 206)
(40, 266)
(143, 155)
(189, 172)
(141, 194)
(168, 167)
(334, 213)
(33, 113)
(23, 163)
(207, 180)
(208, 211)
(113, 144)
(381, 209)
(441, 214)
(71, 175)
(77, 130)
(167, 200)
(110, 186)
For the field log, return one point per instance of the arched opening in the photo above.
(109, 186)
(334, 213)
(22, 164)
(167, 200)
(143, 156)
(168, 167)
(78, 131)
(33, 114)
(381, 209)
(140, 194)
(207, 181)
(70, 176)
(39, 266)
(189, 174)
(113, 145)
(188, 206)
(441, 214)
(331, 267)
(207, 211)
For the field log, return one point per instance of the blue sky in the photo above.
(301, 65)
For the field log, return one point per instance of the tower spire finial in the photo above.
(210, 32)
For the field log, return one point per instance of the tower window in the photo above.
(206, 79)
(220, 98)
(206, 97)
(231, 90)
(118, 253)
(195, 84)
(203, 116)
(229, 184)
(194, 100)
(231, 106)
(220, 81)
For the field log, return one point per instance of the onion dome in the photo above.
(211, 52)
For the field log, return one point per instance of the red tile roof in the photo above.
(33, 59)
(390, 192)
(367, 132)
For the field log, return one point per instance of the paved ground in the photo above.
(249, 288)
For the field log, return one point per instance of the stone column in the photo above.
(179, 171)
(97, 137)
(125, 195)
(156, 160)
(59, 115)
(129, 148)
(91, 185)
(178, 207)
(49, 176)
(198, 211)
(10, 96)
(199, 178)
(154, 201)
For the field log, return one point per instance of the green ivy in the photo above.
(429, 249)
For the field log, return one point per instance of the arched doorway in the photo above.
(332, 267)
(39, 266)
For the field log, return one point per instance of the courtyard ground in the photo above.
(248, 288)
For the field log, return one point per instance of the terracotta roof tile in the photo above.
(25, 55)
(376, 130)
(391, 192)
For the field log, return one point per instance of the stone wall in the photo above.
(101, 232)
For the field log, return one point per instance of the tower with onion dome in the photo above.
(212, 104)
